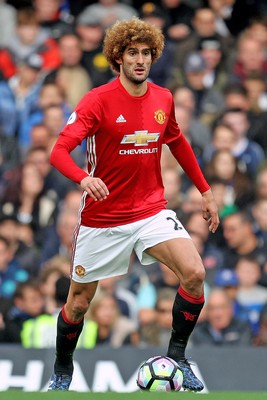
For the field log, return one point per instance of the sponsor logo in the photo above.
(160, 116)
(79, 270)
(120, 119)
(72, 118)
(140, 138)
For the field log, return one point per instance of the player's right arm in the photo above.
(80, 123)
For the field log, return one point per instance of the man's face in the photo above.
(136, 62)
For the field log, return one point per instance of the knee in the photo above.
(193, 281)
(78, 306)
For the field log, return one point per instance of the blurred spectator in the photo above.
(216, 75)
(55, 185)
(28, 304)
(8, 114)
(209, 102)
(7, 30)
(242, 96)
(11, 272)
(32, 39)
(156, 331)
(58, 238)
(24, 197)
(178, 18)
(248, 153)
(125, 298)
(183, 97)
(261, 181)
(257, 92)
(10, 155)
(52, 17)
(259, 214)
(25, 87)
(250, 295)
(108, 12)
(209, 251)
(113, 329)
(227, 279)
(257, 28)
(21, 239)
(221, 328)
(172, 185)
(71, 77)
(160, 71)
(250, 58)
(241, 240)
(191, 202)
(224, 166)
(7, 66)
(40, 332)
(222, 10)
(203, 26)
(261, 338)
(91, 33)
(222, 138)
(50, 95)
(223, 196)
(51, 271)
(196, 132)
(54, 120)
(246, 8)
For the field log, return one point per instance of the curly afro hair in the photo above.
(123, 33)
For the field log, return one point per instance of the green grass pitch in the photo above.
(19, 395)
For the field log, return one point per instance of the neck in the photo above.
(134, 89)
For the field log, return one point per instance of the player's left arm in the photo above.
(185, 156)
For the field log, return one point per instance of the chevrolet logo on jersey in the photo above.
(140, 138)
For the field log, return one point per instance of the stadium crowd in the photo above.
(215, 64)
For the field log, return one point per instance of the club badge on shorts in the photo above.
(79, 270)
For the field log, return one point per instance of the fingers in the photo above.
(213, 223)
(96, 188)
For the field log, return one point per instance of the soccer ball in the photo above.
(160, 374)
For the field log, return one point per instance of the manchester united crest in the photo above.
(80, 271)
(160, 116)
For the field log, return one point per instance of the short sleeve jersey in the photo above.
(124, 137)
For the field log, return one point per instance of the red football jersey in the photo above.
(124, 137)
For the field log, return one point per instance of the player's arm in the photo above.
(72, 135)
(61, 159)
(185, 156)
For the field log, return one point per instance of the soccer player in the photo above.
(125, 123)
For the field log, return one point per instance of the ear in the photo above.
(119, 61)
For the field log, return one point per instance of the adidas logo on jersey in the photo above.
(120, 119)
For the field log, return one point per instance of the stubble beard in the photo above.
(135, 80)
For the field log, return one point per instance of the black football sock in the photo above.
(185, 312)
(67, 337)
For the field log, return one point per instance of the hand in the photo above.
(210, 211)
(95, 187)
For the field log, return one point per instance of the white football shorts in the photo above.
(104, 252)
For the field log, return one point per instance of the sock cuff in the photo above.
(189, 297)
(65, 318)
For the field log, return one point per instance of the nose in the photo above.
(140, 58)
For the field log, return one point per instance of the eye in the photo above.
(146, 52)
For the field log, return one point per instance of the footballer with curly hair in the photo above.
(123, 210)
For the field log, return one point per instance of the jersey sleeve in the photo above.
(83, 122)
(184, 154)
